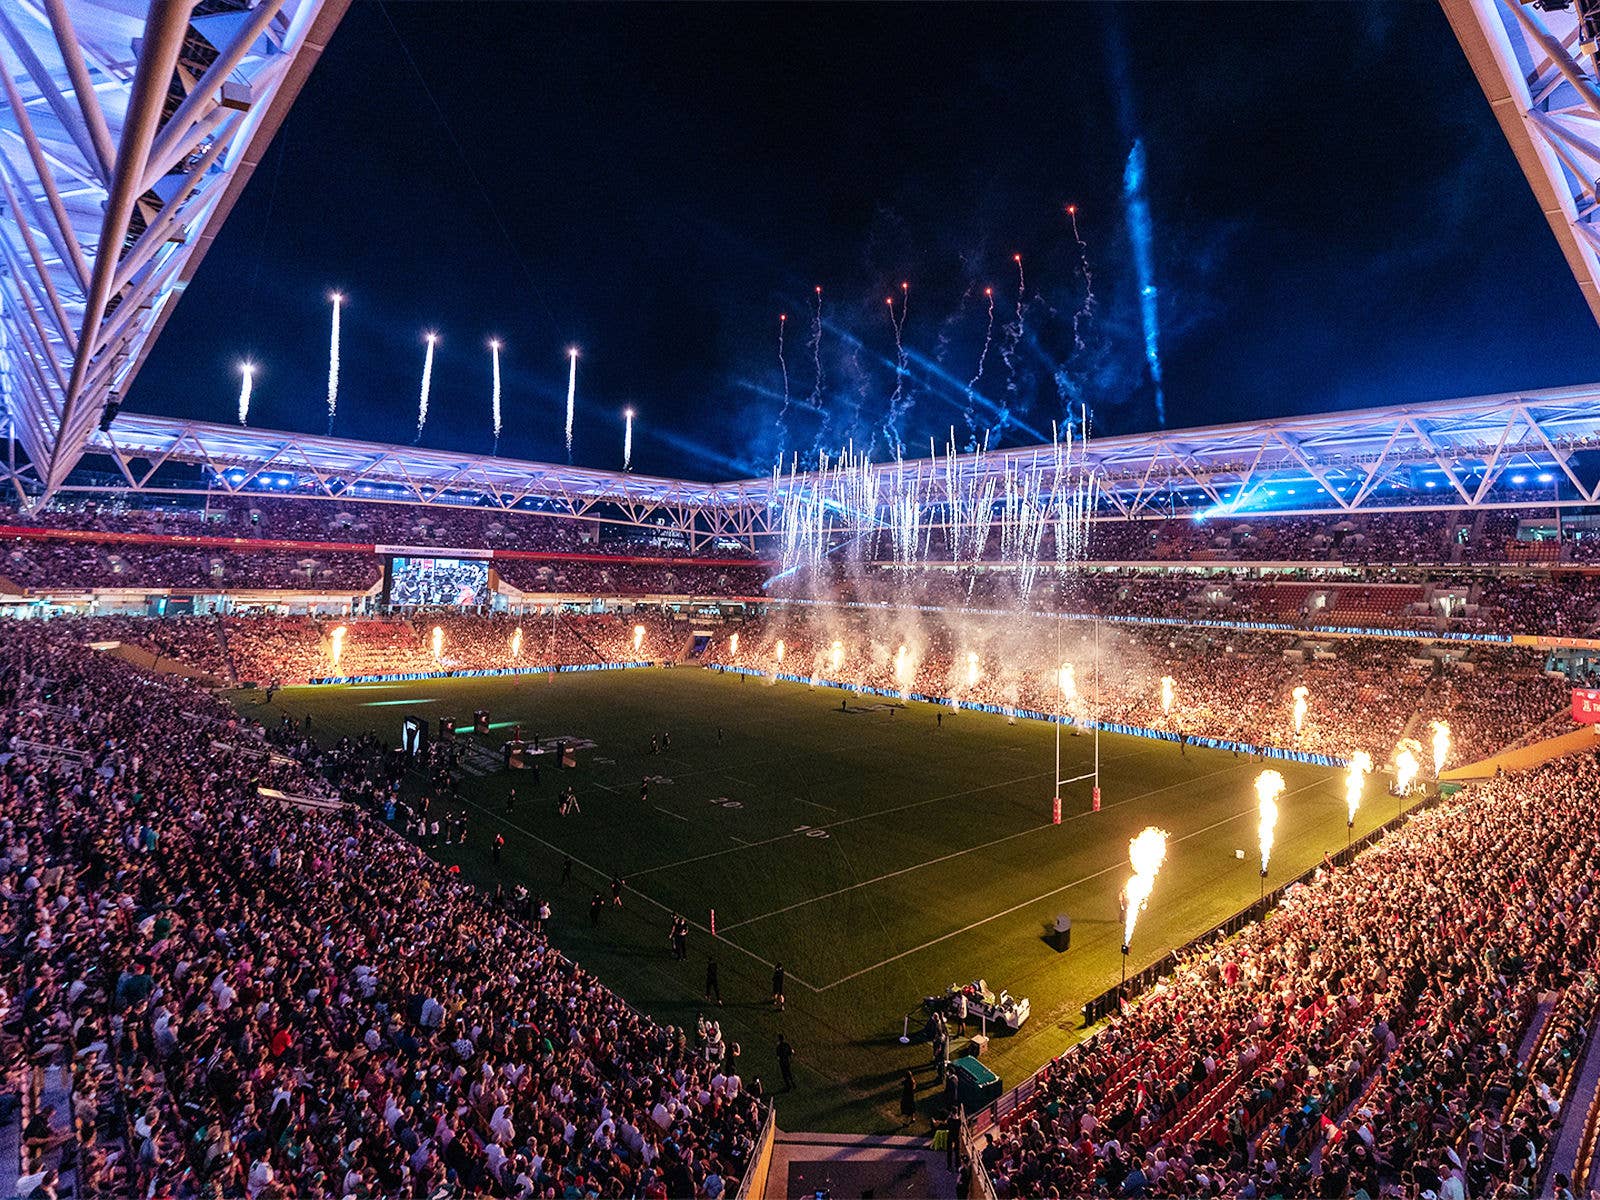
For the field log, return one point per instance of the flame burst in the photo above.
(972, 669)
(638, 636)
(1169, 689)
(836, 657)
(1068, 678)
(904, 668)
(338, 644)
(778, 650)
(1441, 746)
(1406, 764)
(1146, 853)
(733, 646)
(1269, 786)
(438, 641)
(1355, 779)
(1301, 704)
(516, 642)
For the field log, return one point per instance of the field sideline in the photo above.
(878, 853)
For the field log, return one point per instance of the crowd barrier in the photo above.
(480, 673)
(1084, 723)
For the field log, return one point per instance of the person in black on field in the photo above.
(785, 1054)
(566, 869)
(595, 906)
(713, 988)
(679, 937)
(777, 987)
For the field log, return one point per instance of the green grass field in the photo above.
(878, 856)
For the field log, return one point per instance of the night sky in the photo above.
(1335, 221)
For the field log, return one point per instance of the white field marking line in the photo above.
(981, 846)
(890, 875)
(740, 840)
(814, 804)
(669, 812)
(988, 787)
(648, 899)
(1118, 866)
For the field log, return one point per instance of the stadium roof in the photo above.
(1487, 451)
(1536, 65)
(128, 130)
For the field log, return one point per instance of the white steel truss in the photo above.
(128, 129)
(1513, 450)
(1536, 64)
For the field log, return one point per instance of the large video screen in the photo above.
(432, 581)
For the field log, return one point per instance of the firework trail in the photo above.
(627, 440)
(816, 365)
(899, 402)
(1008, 354)
(494, 402)
(333, 361)
(427, 386)
(247, 372)
(572, 392)
(972, 384)
(783, 412)
(1085, 313)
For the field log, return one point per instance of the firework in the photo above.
(572, 392)
(337, 649)
(1169, 688)
(494, 402)
(972, 669)
(1441, 746)
(247, 372)
(427, 383)
(1067, 678)
(333, 360)
(1355, 778)
(1301, 703)
(438, 641)
(638, 636)
(1269, 786)
(1146, 853)
(836, 657)
(972, 384)
(627, 439)
(1085, 312)
(1406, 764)
(516, 642)
(783, 367)
(1014, 332)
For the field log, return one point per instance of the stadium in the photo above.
(1081, 807)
